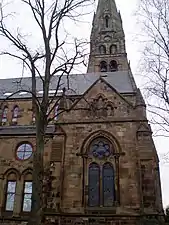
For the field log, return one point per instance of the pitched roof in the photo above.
(76, 84)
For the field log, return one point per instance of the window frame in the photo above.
(7, 193)
(18, 146)
(23, 196)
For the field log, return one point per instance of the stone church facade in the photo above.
(102, 160)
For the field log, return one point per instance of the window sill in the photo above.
(101, 210)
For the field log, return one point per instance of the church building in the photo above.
(102, 160)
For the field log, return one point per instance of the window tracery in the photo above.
(101, 174)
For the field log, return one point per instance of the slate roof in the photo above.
(77, 84)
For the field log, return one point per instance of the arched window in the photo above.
(56, 112)
(108, 185)
(27, 193)
(15, 114)
(107, 21)
(103, 66)
(94, 185)
(113, 66)
(10, 192)
(113, 49)
(101, 176)
(102, 49)
(4, 114)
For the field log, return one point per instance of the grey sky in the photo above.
(11, 68)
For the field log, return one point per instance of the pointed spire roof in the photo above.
(107, 8)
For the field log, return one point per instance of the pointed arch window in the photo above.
(4, 114)
(103, 66)
(101, 174)
(15, 114)
(106, 21)
(56, 112)
(27, 193)
(10, 192)
(108, 185)
(94, 184)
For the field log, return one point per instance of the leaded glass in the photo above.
(10, 198)
(94, 184)
(100, 149)
(108, 185)
(27, 201)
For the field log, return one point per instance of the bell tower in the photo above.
(107, 41)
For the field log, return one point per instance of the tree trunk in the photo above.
(37, 185)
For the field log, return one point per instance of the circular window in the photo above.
(24, 151)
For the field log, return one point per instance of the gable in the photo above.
(102, 100)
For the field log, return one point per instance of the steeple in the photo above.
(107, 42)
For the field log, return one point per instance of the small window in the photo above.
(5, 114)
(27, 196)
(10, 195)
(113, 49)
(24, 151)
(107, 21)
(15, 114)
(113, 66)
(56, 112)
(103, 66)
(102, 49)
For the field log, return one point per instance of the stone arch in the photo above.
(100, 133)
(113, 49)
(113, 66)
(27, 174)
(13, 171)
(102, 49)
(103, 66)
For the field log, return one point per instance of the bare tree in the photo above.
(44, 63)
(154, 18)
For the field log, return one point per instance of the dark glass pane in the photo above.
(108, 185)
(10, 202)
(94, 184)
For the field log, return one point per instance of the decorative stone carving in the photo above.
(100, 107)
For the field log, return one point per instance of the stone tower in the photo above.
(108, 51)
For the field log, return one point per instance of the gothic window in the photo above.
(4, 114)
(107, 21)
(10, 195)
(113, 49)
(56, 112)
(108, 185)
(27, 196)
(24, 151)
(103, 66)
(102, 49)
(101, 174)
(15, 114)
(94, 184)
(113, 66)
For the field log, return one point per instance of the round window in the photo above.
(24, 151)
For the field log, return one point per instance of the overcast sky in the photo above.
(11, 68)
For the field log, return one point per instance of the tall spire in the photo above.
(107, 38)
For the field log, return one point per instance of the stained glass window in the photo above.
(100, 148)
(10, 197)
(94, 185)
(27, 199)
(24, 151)
(108, 185)
(4, 114)
(15, 112)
